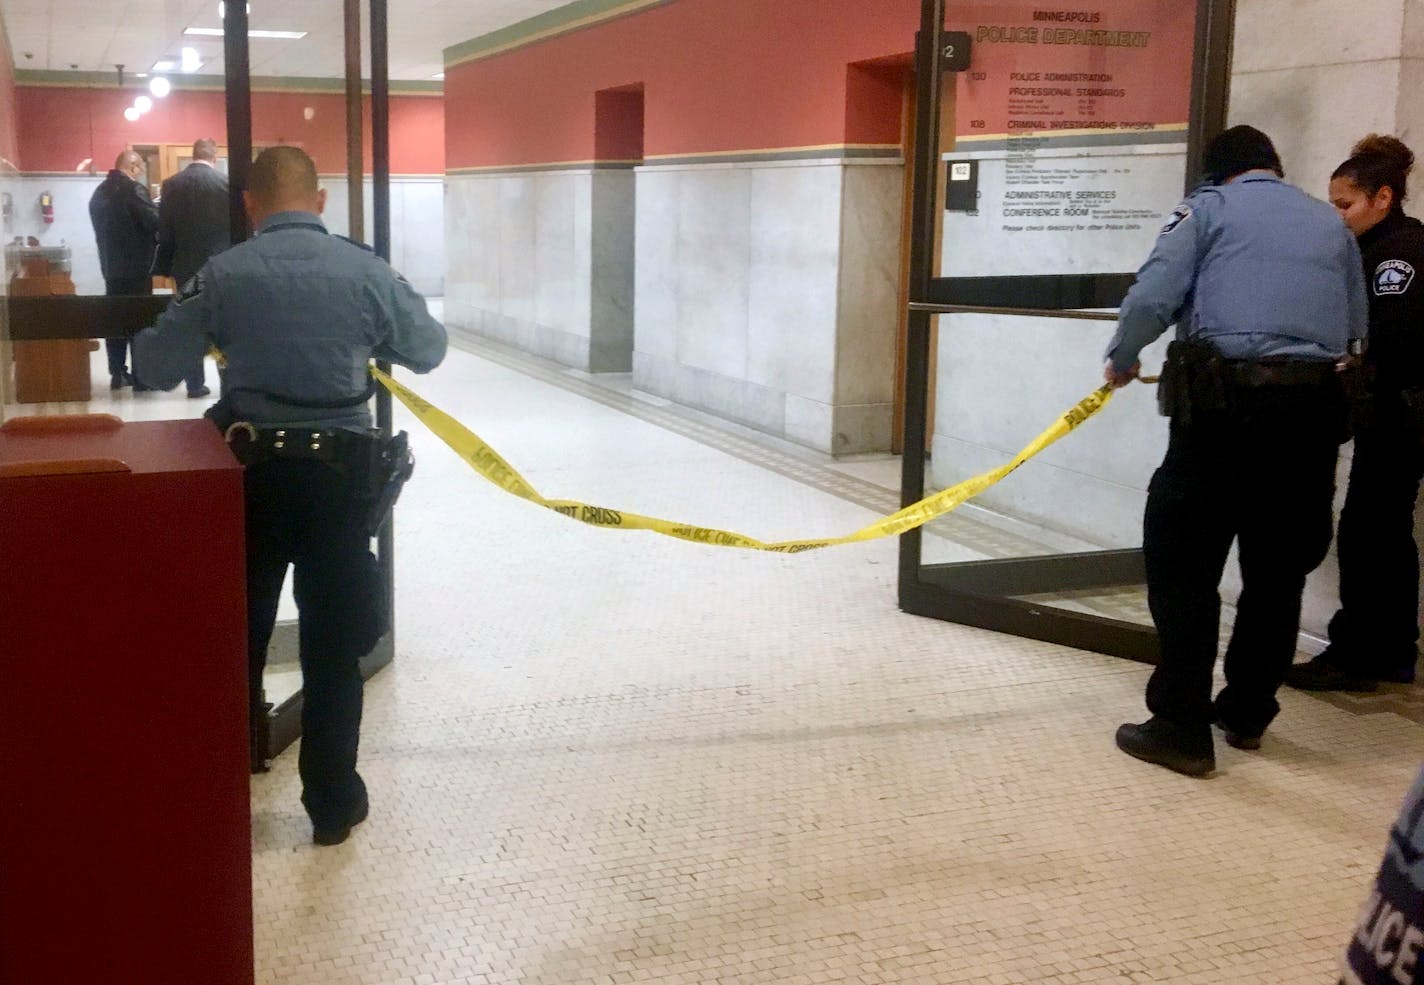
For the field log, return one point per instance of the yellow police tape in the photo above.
(488, 463)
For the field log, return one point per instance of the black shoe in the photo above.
(1159, 741)
(1239, 740)
(202, 391)
(118, 381)
(1320, 675)
(140, 388)
(335, 836)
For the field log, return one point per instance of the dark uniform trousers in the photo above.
(1262, 473)
(307, 514)
(1377, 627)
(117, 349)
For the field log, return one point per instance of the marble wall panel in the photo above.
(732, 398)
(1277, 34)
(714, 251)
(518, 224)
(794, 274)
(655, 277)
(868, 326)
(1314, 115)
(556, 285)
(417, 220)
(810, 422)
(611, 273)
(518, 261)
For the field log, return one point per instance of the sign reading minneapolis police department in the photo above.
(1077, 119)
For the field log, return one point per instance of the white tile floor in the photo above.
(615, 758)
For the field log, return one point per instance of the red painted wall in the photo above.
(9, 127)
(59, 127)
(718, 75)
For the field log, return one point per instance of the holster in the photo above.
(1354, 376)
(392, 464)
(1194, 381)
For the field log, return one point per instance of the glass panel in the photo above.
(1062, 145)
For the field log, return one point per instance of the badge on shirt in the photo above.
(1393, 277)
(1179, 215)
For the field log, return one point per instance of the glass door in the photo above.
(1050, 145)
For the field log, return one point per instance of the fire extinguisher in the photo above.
(47, 207)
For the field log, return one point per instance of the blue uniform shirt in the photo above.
(1258, 268)
(299, 314)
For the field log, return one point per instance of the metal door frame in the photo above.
(980, 593)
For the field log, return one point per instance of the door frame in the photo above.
(982, 593)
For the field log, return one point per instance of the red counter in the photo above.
(125, 844)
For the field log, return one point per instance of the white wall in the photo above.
(417, 206)
(519, 260)
(766, 294)
(763, 293)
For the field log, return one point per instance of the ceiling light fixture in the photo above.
(131, 114)
(143, 104)
(217, 32)
(165, 65)
(439, 76)
(192, 61)
(222, 8)
(160, 86)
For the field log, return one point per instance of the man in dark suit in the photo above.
(125, 221)
(193, 224)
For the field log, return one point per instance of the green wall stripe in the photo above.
(570, 17)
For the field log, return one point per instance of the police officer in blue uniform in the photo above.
(1267, 291)
(299, 315)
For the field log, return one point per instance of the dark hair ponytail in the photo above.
(1379, 161)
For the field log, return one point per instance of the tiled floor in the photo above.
(616, 758)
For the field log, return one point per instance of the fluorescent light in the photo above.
(192, 61)
(222, 9)
(217, 32)
(438, 76)
(165, 65)
(160, 86)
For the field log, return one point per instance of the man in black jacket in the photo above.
(194, 223)
(125, 222)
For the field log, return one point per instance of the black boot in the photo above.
(1319, 674)
(1185, 750)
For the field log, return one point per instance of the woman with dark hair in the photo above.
(1374, 634)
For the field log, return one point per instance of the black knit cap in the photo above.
(1237, 151)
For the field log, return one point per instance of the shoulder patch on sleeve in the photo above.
(1179, 215)
(192, 289)
(1393, 277)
